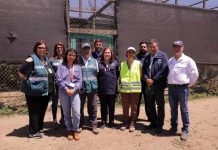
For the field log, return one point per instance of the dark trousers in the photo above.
(54, 105)
(37, 106)
(130, 100)
(178, 95)
(157, 115)
(92, 108)
(143, 95)
(107, 106)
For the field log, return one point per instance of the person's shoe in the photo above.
(43, 132)
(95, 129)
(172, 131)
(112, 126)
(158, 131)
(149, 127)
(76, 136)
(132, 127)
(103, 125)
(79, 130)
(124, 126)
(36, 135)
(184, 136)
(70, 135)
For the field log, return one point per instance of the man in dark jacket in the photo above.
(155, 71)
(143, 52)
(97, 54)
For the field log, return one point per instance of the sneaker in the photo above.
(103, 126)
(36, 135)
(95, 130)
(184, 136)
(79, 130)
(124, 126)
(70, 135)
(76, 136)
(43, 132)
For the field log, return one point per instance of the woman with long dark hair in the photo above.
(69, 78)
(107, 83)
(55, 61)
(38, 84)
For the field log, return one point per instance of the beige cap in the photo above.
(131, 48)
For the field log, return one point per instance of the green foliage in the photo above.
(10, 110)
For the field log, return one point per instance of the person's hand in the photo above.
(70, 92)
(150, 82)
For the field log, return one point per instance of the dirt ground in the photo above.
(203, 133)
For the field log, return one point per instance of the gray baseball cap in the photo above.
(86, 45)
(178, 43)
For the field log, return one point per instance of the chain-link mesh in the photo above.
(9, 79)
(207, 82)
(92, 16)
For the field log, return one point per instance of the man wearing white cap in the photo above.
(183, 72)
(130, 88)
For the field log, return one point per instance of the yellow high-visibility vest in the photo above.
(130, 78)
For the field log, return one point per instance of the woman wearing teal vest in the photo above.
(38, 84)
(130, 88)
(54, 62)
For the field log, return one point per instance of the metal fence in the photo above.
(91, 16)
(9, 79)
(206, 84)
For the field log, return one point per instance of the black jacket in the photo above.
(107, 77)
(159, 69)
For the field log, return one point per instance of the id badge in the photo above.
(72, 85)
(49, 70)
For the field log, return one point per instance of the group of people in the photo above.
(74, 79)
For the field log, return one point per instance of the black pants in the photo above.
(142, 94)
(37, 106)
(107, 106)
(92, 108)
(54, 99)
(157, 116)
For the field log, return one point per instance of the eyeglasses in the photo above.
(41, 47)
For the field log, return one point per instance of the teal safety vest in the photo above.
(37, 82)
(89, 72)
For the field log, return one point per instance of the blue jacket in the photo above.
(97, 55)
(159, 69)
(107, 77)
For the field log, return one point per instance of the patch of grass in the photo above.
(6, 110)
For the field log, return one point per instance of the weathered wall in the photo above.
(31, 21)
(198, 28)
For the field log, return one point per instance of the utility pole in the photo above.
(204, 3)
(80, 8)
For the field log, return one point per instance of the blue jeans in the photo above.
(70, 103)
(178, 95)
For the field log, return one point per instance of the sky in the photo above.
(74, 4)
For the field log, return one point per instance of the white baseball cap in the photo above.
(131, 48)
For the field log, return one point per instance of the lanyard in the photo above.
(72, 73)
